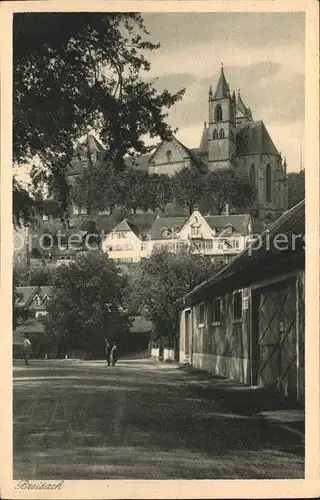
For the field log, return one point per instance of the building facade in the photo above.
(218, 237)
(247, 321)
(124, 244)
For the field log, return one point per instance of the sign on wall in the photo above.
(245, 303)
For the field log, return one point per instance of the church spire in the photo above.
(222, 90)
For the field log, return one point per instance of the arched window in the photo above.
(215, 134)
(268, 182)
(218, 114)
(222, 134)
(169, 155)
(252, 175)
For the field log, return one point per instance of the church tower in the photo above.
(222, 125)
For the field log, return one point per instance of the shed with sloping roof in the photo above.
(246, 321)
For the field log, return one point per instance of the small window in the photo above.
(222, 134)
(195, 231)
(37, 301)
(235, 243)
(237, 305)
(45, 299)
(252, 175)
(220, 245)
(201, 311)
(165, 232)
(208, 245)
(169, 155)
(216, 310)
(110, 249)
(268, 182)
(215, 134)
(218, 113)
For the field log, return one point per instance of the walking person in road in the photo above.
(26, 349)
(107, 350)
(114, 353)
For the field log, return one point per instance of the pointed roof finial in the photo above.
(205, 124)
(222, 90)
(285, 164)
(210, 90)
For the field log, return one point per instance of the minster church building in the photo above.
(231, 138)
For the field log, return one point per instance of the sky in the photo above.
(262, 55)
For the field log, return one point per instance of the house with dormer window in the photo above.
(32, 301)
(218, 237)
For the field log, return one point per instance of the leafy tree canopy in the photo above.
(78, 70)
(229, 186)
(86, 305)
(296, 188)
(188, 186)
(102, 187)
(161, 280)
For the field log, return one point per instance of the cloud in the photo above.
(244, 29)
(174, 81)
(273, 92)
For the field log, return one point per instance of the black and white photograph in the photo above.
(158, 260)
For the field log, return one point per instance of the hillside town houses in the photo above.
(218, 237)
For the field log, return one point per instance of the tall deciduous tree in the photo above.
(188, 187)
(160, 190)
(74, 70)
(135, 192)
(98, 188)
(161, 280)
(86, 305)
(296, 188)
(224, 186)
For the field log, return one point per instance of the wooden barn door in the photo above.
(277, 338)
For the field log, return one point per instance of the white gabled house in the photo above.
(219, 237)
(123, 243)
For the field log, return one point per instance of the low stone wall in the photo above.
(184, 358)
(155, 352)
(168, 355)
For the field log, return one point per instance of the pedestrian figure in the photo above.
(107, 350)
(114, 353)
(26, 349)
